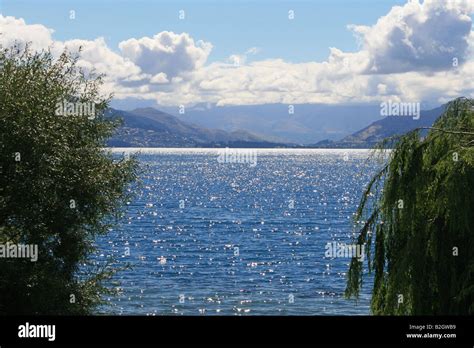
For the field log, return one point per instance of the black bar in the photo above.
(135, 330)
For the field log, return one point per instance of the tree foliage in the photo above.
(59, 189)
(418, 218)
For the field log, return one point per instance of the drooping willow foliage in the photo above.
(417, 218)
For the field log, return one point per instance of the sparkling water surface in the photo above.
(210, 238)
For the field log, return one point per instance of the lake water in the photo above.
(209, 237)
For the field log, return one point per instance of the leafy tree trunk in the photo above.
(58, 188)
(420, 207)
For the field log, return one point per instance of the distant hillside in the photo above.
(386, 127)
(307, 124)
(148, 127)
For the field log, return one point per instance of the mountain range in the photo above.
(297, 124)
(368, 136)
(253, 126)
(148, 127)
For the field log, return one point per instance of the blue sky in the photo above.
(231, 26)
(249, 52)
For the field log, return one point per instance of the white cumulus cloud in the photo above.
(417, 37)
(166, 52)
(408, 54)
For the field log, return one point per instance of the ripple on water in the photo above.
(209, 238)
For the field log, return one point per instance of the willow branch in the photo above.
(445, 130)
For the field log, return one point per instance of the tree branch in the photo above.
(445, 130)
